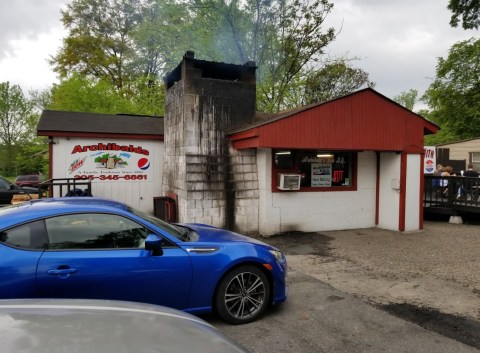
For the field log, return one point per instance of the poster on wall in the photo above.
(321, 174)
(429, 160)
(109, 162)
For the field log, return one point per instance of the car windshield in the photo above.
(177, 232)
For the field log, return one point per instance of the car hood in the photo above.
(212, 234)
(60, 326)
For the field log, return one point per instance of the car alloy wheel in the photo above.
(243, 295)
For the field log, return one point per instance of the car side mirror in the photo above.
(154, 243)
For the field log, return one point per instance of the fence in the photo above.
(451, 194)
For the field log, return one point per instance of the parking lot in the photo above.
(373, 290)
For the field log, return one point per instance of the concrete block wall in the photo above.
(244, 176)
(212, 185)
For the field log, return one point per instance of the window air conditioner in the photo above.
(289, 181)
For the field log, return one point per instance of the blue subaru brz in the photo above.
(100, 249)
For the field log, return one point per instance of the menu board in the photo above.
(321, 174)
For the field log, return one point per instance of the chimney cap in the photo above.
(251, 63)
(189, 54)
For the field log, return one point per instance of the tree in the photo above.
(407, 98)
(100, 43)
(81, 94)
(454, 95)
(16, 121)
(282, 36)
(127, 43)
(335, 79)
(164, 34)
(32, 157)
(467, 10)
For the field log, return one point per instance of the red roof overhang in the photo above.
(364, 120)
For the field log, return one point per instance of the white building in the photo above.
(353, 162)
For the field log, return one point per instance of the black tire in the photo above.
(243, 295)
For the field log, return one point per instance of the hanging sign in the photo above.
(429, 163)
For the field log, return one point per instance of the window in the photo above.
(4, 185)
(27, 236)
(94, 231)
(319, 170)
(475, 156)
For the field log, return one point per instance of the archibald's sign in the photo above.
(109, 162)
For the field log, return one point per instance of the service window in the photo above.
(318, 170)
(94, 231)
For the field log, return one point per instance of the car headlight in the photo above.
(277, 254)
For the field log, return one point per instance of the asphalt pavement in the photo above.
(318, 318)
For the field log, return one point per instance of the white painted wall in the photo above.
(389, 198)
(316, 211)
(412, 203)
(136, 193)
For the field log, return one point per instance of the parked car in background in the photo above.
(93, 326)
(29, 180)
(87, 247)
(7, 190)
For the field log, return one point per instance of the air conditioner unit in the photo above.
(289, 181)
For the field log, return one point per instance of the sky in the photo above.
(397, 42)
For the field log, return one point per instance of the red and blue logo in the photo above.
(429, 166)
(143, 163)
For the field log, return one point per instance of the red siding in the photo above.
(362, 121)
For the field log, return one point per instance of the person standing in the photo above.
(471, 185)
(439, 170)
(470, 172)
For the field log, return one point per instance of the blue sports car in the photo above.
(100, 249)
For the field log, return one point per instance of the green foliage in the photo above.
(41, 99)
(15, 114)
(407, 98)
(17, 123)
(32, 157)
(454, 95)
(84, 95)
(100, 43)
(333, 80)
(165, 33)
(283, 37)
(120, 41)
(467, 10)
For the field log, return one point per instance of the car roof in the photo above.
(40, 208)
(106, 326)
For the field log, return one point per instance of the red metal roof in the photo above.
(364, 120)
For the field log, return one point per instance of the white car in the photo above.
(96, 326)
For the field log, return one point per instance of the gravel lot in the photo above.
(437, 268)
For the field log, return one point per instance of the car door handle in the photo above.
(62, 272)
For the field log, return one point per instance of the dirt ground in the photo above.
(435, 269)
